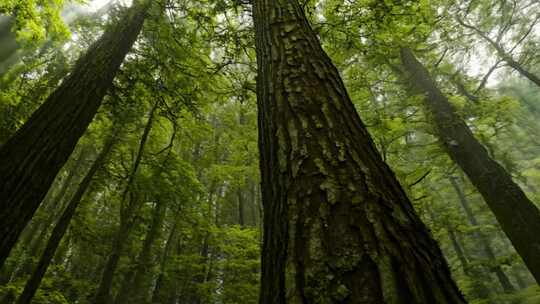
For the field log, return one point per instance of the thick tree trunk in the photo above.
(517, 215)
(127, 218)
(338, 227)
(482, 239)
(61, 227)
(34, 235)
(31, 159)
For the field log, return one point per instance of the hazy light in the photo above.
(97, 4)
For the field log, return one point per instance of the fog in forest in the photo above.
(268, 151)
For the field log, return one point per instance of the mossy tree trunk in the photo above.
(338, 227)
(32, 157)
(518, 216)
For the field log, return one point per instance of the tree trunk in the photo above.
(157, 294)
(517, 215)
(134, 289)
(241, 208)
(61, 227)
(505, 56)
(32, 157)
(338, 227)
(479, 290)
(34, 234)
(127, 218)
(120, 239)
(458, 249)
(482, 239)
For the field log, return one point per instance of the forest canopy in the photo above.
(269, 151)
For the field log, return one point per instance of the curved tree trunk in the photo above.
(31, 158)
(61, 227)
(338, 227)
(517, 215)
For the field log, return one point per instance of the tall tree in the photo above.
(30, 159)
(482, 239)
(338, 226)
(128, 212)
(134, 288)
(517, 215)
(62, 225)
(507, 27)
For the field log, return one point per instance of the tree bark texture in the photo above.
(338, 227)
(517, 215)
(32, 157)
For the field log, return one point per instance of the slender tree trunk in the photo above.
(127, 222)
(31, 158)
(479, 290)
(241, 208)
(157, 295)
(61, 227)
(504, 55)
(482, 239)
(140, 291)
(338, 227)
(458, 249)
(134, 289)
(253, 203)
(517, 215)
(127, 218)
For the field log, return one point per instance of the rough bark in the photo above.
(127, 218)
(517, 215)
(338, 227)
(32, 157)
(482, 239)
(61, 227)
